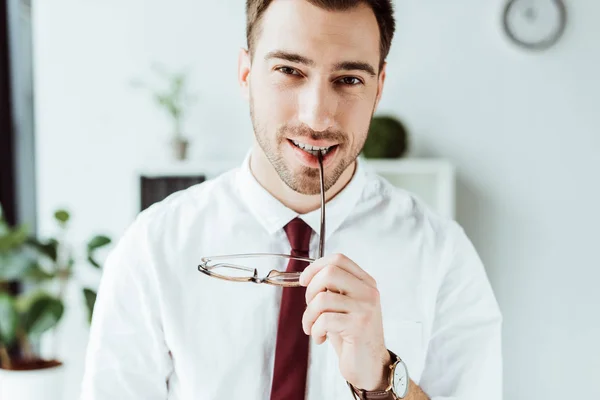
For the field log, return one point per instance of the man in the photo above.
(400, 299)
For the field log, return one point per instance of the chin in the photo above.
(303, 180)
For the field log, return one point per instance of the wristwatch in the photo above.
(397, 387)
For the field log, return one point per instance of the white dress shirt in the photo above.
(162, 330)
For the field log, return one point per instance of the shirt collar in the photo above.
(274, 215)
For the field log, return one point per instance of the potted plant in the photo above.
(387, 138)
(42, 269)
(174, 99)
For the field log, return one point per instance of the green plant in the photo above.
(387, 138)
(43, 270)
(174, 99)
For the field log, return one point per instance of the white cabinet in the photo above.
(431, 180)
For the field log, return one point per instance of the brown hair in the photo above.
(383, 10)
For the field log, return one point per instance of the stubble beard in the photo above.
(303, 180)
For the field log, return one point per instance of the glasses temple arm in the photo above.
(322, 234)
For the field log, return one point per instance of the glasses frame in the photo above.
(274, 277)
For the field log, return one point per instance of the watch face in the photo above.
(400, 380)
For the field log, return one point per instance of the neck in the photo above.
(269, 179)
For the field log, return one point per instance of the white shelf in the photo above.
(431, 180)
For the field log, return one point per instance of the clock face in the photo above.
(535, 24)
(400, 380)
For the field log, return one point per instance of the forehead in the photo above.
(324, 36)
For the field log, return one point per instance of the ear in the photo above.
(244, 65)
(380, 82)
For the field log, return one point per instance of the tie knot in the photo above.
(298, 233)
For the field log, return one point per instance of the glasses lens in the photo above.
(285, 278)
(231, 270)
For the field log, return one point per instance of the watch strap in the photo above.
(362, 394)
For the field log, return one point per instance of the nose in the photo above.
(317, 106)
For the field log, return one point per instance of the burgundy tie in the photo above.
(291, 351)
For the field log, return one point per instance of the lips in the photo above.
(305, 154)
(313, 149)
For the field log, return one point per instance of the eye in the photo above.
(288, 71)
(350, 81)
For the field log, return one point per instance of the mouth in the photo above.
(314, 150)
(307, 154)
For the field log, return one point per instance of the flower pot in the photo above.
(43, 383)
(180, 148)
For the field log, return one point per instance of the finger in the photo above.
(339, 260)
(329, 323)
(334, 279)
(326, 302)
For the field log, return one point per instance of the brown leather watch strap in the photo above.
(361, 394)
(364, 395)
(379, 396)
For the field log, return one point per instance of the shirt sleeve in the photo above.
(464, 360)
(127, 358)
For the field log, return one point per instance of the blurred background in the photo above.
(519, 129)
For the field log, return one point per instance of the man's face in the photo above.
(314, 81)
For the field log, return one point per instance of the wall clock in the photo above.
(535, 24)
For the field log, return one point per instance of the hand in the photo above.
(343, 305)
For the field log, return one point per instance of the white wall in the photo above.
(522, 128)
(524, 131)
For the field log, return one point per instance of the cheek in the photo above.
(274, 103)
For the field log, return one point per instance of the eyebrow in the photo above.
(341, 66)
(355, 66)
(291, 57)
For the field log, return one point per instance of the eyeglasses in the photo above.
(222, 267)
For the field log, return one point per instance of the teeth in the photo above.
(311, 149)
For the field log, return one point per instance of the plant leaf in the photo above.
(177, 83)
(94, 262)
(43, 312)
(97, 242)
(11, 239)
(50, 248)
(90, 301)
(37, 274)
(19, 235)
(14, 265)
(4, 229)
(62, 216)
(8, 319)
(162, 99)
